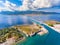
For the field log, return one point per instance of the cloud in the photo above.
(28, 5)
(41, 4)
(8, 6)
(55, 2)
(35, 4)
(24, 6)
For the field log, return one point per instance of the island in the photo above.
(14, 34)
(31, 30)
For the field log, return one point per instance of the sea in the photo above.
(52, 38)
(11, 20)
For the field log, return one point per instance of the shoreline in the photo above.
(20, 41)
(43, 31)
(53, 28)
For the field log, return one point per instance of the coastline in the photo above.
(53, 28)
(20, 41)
(43, 31)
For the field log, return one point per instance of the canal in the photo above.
(53, 37)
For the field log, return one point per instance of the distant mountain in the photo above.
(26, 12)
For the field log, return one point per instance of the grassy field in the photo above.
(29, 29)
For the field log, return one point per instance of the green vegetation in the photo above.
(51, 25)
(16, 32)
(52, 22)
(9, 33)
(58, 23)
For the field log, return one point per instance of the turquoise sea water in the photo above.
(52, 38)
(35, 40)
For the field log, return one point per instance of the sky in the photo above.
(24, 5)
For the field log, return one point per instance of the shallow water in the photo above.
(35, 40)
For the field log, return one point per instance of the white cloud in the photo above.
(41, 4)
(7, 3)
(24, 5)
(28, 5)
(7, 6)
(35, 4)
(1, 1)
(55, 2)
